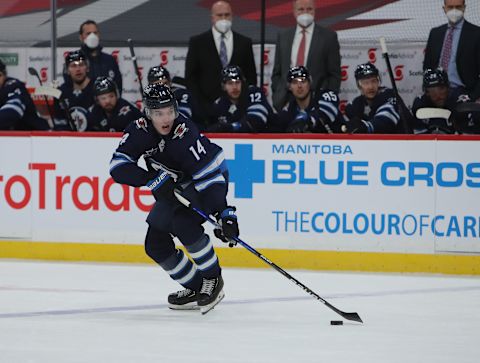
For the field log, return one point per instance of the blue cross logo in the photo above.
(244, 171)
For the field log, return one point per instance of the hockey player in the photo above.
(178, 156)
(375, 110)
(437, 94)
(186, 104)
(17, 110)
(241, 108)
(305, 112)
(111, 112)
(78, 97)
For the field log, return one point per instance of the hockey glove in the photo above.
(227, 220)
(357, 126)
(302, 123)
(162, 186)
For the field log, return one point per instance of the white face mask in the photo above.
(223, 25)
(305, 19)
(454, 16)
(92, 41)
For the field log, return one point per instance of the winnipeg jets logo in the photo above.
(77, 92)
(141, 123)
(232, 109)
(124, 111)
(180, 131)
(79, 116)
(161, 146)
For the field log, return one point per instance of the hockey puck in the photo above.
(336, 322)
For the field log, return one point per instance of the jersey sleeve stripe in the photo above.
(259, 115)
(215, 164)
(392, 117)
(206, 183)
(17, 102)
(120, 159)
(11, 106)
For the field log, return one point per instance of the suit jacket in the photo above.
(203, 66)
(323, 62)
(468, 55)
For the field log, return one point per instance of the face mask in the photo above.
(223, 25)
(91, 41)
(454, 16)
(305, 20)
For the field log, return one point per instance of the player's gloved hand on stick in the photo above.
(227, 219)
(162, 186)
(302, 123)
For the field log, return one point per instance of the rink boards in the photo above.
(366, 203)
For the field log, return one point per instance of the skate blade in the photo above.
(205, 309)
(189, 306)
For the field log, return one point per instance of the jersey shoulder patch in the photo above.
(141, 124)
(180, 130)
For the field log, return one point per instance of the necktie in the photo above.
(447, 49)
(223, 52)
(301, 50)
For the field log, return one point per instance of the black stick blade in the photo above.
(352, 317)
(468, 107)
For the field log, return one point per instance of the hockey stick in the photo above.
(135, 64)
(468, 107)
(404, 112)
(430, 112)
(57, 94)
(188, 204)
(34, 73)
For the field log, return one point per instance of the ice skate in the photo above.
(211, 293)
(183, 300)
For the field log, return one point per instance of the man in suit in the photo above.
(455, 47)
(211, 51)
(310, 45)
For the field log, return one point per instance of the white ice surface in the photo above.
(65, 312)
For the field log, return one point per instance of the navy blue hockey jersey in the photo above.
(322, 114)
(252, 114)
(381, 117)
(121, 116)
(102, 65)
(186, 154)
(79, 104)
(17, 110)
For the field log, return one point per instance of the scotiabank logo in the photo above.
(164, 57)
(344, 73)
(139, 104)
(398, 72)
(342, 105)
(44, 74)
(115, 55)
(85, 193)
(372, 55)
(266, 57)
